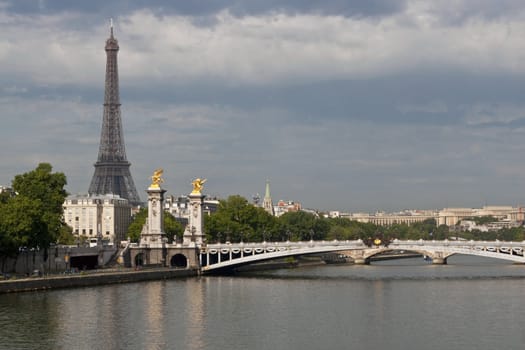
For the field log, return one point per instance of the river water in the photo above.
(471, 303)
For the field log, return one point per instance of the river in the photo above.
(471, 303)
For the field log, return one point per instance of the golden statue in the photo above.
(156, 179)
(197, 185)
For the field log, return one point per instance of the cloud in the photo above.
(342, 106)
(269, 48)
(430, 107)
(494, 114)
(203, 8)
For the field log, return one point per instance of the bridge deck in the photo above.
(221, 256)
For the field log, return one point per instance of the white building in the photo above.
(452, 216)
(179, 206)
(89, 215)
(385, 219)
(284, 207)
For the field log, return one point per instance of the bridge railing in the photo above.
(454, 243)
(221, 254)
(345, 243)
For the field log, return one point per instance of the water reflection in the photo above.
(195, 314)
(38, 310)
(389, 305)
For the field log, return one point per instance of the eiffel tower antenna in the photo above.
(112, 175)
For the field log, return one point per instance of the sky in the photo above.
(354, 106)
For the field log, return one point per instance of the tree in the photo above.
(20, 221)
(47, 190)
(171, 226)
(302, 226)
(135, 227)
(237, 220)
(65, 235)
(32, 217)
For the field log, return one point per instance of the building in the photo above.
(384, 219)
(505, 216)
(112, 175)
(108, 216)
(452, 216)
(179, 207)
(283, 207)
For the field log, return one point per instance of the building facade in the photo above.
(98, 216)
(504, 216)
(386, 219)
(179, 206)
(284, 207)
(452, 216)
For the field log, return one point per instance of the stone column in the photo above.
(153, 235)
(439, 261)
(439, 258)
(358, 255)
(360, 261)
(194, 232)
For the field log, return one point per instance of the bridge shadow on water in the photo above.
(460, 267)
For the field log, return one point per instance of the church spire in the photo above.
(267, 201)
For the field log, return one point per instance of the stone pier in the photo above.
(153, 249)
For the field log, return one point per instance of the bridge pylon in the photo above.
(194, 231)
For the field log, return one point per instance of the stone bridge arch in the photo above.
(179, 260)
(362, 256)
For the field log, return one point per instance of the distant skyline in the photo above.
(342, 105)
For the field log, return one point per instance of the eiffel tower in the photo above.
(112, 175)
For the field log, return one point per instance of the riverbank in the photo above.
(125, 275)
(95, 278)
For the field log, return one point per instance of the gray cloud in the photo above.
(206, 7)
(382, 107)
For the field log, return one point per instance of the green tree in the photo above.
(426, 228)
(238, 220)
(47, 190)
(302, 226)
(135, 227)
(32, 217)
(171, 226)
(20, 222)
(482, 220)
(65, 235)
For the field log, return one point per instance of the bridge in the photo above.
(224, 256)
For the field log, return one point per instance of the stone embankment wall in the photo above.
(57, 259)
(92, 279)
